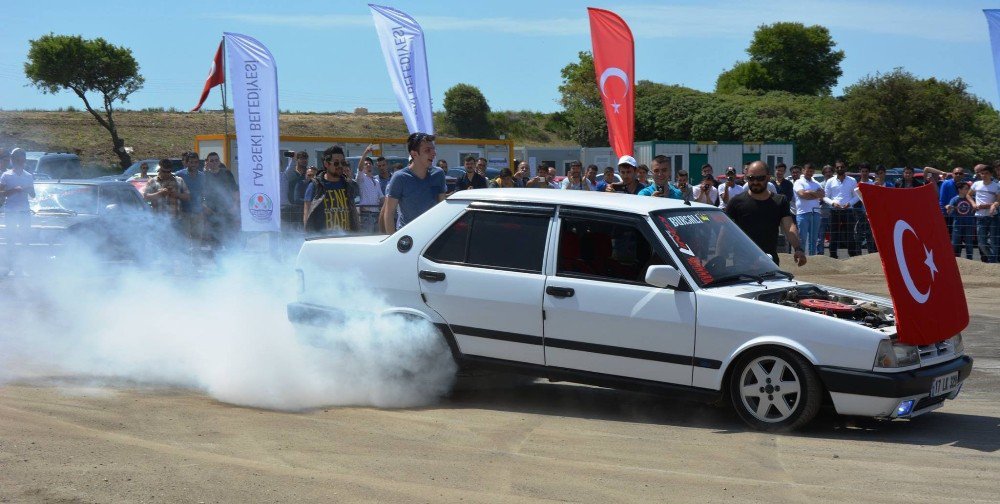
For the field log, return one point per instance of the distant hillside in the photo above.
(155, 134)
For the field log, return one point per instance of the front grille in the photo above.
(935, 351)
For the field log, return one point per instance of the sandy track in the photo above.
(63, 440)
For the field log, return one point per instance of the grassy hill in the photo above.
(156, 134)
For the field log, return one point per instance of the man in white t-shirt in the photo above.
(730, 189)
(983, 197)
(17, 185)
(808, 196)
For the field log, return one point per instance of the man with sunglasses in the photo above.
(332, 197)
(759, 212)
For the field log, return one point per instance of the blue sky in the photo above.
(329, 59)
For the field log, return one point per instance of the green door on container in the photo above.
(695, 162)
(750, 158)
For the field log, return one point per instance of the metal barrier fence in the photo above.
(846, 233)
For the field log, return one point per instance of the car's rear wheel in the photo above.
(774, 389)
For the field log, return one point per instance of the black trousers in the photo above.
(842, 231)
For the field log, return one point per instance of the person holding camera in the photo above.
(164, 192)
(705, 192)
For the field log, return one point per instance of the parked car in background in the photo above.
(133, 169)
(105, 216)
(453, 174)
(625, 292)
(53, 165)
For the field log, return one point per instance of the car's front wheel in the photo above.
(774, 389)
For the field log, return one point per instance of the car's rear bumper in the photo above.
(869, 393)
(310, 314)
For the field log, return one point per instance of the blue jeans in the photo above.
(808, 224)
(824, 224)
(988, 233)
(963, 232)
(18, 235)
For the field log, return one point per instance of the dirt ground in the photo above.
(65, 441)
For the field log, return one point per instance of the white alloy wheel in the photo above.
(774, 389)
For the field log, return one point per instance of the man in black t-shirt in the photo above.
(758, 212)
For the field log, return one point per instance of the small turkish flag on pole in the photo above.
(919, 262)
(614, 66)
(216, 76)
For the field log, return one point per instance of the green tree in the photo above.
(896, 118)
(467, 111)
(84, 66)
(744, 75)
(787, 57)
(581, 99)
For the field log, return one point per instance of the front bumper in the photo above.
(868, 393)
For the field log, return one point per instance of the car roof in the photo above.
(603, 201)
(100, 182)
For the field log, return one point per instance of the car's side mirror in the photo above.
(662, 275)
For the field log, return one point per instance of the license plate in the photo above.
(944, 384)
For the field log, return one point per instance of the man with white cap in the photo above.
(17, 186)
(629, 184)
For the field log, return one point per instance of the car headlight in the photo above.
(956, 343)
(892, 354)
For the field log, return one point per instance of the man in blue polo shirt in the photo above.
(416, 188)
(661, 186)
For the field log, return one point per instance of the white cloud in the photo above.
(729, 19)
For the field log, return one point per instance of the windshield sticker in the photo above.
(676, 238)
(699, 269)
(686, 220)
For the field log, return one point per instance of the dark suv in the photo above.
(53, 165)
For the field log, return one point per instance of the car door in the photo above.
(483, 274)
(601, 316)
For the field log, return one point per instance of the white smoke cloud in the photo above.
(224, 332)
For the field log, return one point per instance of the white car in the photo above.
(630, 292)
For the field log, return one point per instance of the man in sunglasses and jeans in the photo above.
(759, 212)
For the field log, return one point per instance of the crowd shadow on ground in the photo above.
(540, 397)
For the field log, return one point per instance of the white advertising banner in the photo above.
(402, 43)
(253, 77)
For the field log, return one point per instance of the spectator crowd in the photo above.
(813, 212)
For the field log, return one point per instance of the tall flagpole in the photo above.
(225, 115)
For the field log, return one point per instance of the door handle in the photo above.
(431, 276)
(561, 292)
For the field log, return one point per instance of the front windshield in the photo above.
(713, 248)
(64, 198)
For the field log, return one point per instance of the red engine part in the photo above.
(826, 306)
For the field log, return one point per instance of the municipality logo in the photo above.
(261, 207)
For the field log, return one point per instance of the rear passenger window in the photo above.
(450, 247)
(603, 250)
(494, 240)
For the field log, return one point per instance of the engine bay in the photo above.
(815, 299)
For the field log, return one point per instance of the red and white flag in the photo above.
(919, 262)
(216, 76)
(614, 66)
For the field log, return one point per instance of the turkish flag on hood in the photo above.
(919, 262)
(216, 76)
(614, 66)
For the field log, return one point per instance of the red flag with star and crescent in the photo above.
(216, 76)
(614, 66)
(919, 262)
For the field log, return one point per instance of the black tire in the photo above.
(755, 389)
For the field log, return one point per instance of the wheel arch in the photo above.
(764, 342)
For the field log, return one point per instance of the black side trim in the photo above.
(906, 383)
(498, 335)
(619, 351)
(684, 360)
(598, 379)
